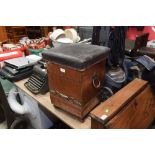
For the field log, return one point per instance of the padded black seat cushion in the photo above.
(78, 56)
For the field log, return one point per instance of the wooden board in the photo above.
(131, 107)
(146, 51)
(44, 100)
(139, 113)
(3, 34)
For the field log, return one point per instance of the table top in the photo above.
(45, 101)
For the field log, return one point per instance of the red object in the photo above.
(47, 41)
(133, 32)
(10, 54)
(151, 31)
(37, 45)
(22, 49)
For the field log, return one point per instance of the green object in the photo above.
(106, 110)
(7, 85)
(36, 51)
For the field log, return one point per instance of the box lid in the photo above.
(78, 56)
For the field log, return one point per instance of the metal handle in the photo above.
(96, 82)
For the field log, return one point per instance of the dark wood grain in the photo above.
(95, 124)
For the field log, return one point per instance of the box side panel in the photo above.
(139, 113)
(96, 73)
(65, 81)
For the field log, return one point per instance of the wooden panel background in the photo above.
(3, 34)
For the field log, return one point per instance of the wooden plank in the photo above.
(44, 100)
(95, 124)
(3, 34)
(108, 109)
(139, 113)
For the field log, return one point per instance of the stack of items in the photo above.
(36, 46)
(25, 46)
(34, 43)
(18, 68)
(11, 47)
(10, 51)
(60, 37)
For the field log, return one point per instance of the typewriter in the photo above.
(38, 82)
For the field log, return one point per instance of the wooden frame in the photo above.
(131, 107)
